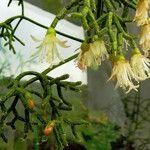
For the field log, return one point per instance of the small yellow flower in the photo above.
(48, 48)
(141, 15)
(140, 65)
(122, 72)
(145, 37)
(92, 54)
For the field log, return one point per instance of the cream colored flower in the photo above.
(123, 74)
(141, 15)
(140, 65)
(145, 37)
(48, 50)
(92, 54)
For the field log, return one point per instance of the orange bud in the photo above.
(49, 128)
(31, 104)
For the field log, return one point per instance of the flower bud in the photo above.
(49, 128)
(30, 103)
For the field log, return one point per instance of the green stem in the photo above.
(99, 8)
(111, 32)
(129, 4)
(120, 43)
(42, 26)
(36, 142)
(86, 3)
(63, 12)
(50, 69)
(108, 5)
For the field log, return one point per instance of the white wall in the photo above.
(26, 29)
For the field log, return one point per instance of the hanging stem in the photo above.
(36, 142)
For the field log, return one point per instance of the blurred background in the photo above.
(100, 97)
(49, 5)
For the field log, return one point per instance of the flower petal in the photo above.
(35, 39)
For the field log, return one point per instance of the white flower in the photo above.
(48, 50)
(141, 15)
(92, 54)
(123, 74)
(140, 66)
(145, 37)
(98, 48)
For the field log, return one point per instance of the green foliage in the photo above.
(99, 136)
